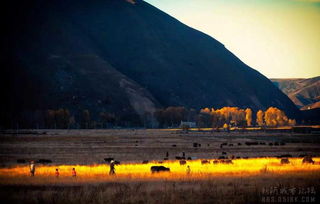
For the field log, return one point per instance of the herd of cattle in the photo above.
(284, 159)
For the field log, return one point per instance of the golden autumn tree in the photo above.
(249, 116)
(260, 120)
(275, 117)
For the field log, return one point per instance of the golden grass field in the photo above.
(244, 181)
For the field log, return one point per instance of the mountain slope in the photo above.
(177, 65)
(303, 92)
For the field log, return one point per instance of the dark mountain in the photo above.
(305, 93)
(125, 57)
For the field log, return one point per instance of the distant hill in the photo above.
(305, 93)
(122, 57)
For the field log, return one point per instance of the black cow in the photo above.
(145, 162)
(44, 161)
(284, 161)
(180, 158)
(205, 162)
(21, 161)
(157, 169)
(285, 155)
(183, 162)
(108, 160)
(308, 160)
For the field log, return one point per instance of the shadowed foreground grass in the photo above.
(224, 189)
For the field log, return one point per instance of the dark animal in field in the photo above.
(222, 157)
(276, 143)
(183, 162)
(230, 145)
(224, 153)
(156, 169)
(117, 162)
(224, 144)
(285, 155)
(21, 161)
(208, 145)
(307, 160)
(284, 161)
(231, 157)
(205, 162)
(108, 160)
(245, 157)
(160, 162)
(262, 143)
(215, 162)
(270, 144)
(282, 143)
(180, 158)
(251, 143)
(183, 154)
(226, 161)
(174, 145)
(145, 162)
(44, 161)
(165, 158)
(238, 157)
(195, 144)
(239, 144)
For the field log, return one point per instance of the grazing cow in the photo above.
(205, 162)
(285, 155)
(262, 143)
(307, 160)
(224, 152)
(21, 161)
(195, 144)
(215, 162)
(108, 160)
(145, 162)
(183, 162)
(227, 161)
(282, 143)
(165, 158)
(174, 145)
(239, 144)
(222, 157)
(157, 169)
(231, 157)
(251, 143)
(238, 157)
(276, 143)
(180, 158)
(44, 161)
(270, 144)
(284, 161)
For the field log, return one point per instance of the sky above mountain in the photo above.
(279, 38)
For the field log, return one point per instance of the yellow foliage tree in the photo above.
(259, 120)
(249, 116)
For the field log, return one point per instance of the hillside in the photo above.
(119, 57)
(305, 93)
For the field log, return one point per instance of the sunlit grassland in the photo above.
(131, 171)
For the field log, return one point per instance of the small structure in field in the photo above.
(188, 124)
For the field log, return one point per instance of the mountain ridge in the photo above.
(174, 64)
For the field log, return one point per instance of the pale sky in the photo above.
(279, 38)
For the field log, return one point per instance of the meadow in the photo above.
(256, 176)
